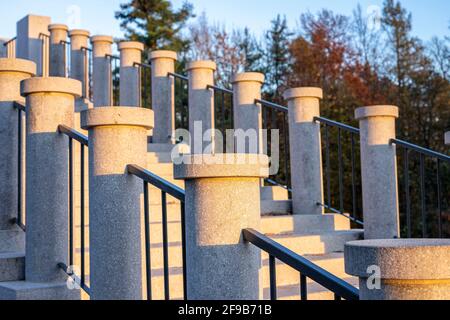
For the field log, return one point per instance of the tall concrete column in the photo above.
(50, 103)
(117, 138)
(57, 59)
(130, 90)
(379, 172)
(201, 105)
(305, 150)
(400, 269)
(248, 114)
(12, 72)
(79, 63)
(101, 74)
(220, 203)
(28, 44)
(447, 138)
(163, 95)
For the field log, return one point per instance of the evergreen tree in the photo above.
(251, 52)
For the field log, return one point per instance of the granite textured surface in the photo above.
(101, 70)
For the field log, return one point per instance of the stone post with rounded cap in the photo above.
(101, 70)
(50, 102)
(220, 203)
(407, 269)
(130, 88)
(379, 171)
(12, 72)
(305, 150)
(117, 138)
(163, 95)
(201, 106)
(248, 114)
(79, 58)
(57, 58)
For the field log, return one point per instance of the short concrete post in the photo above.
(79, 63)
(400, 269)
(50, 103)
(379, 172)
(221, 200)
(248, 114)
(305, 150)
(101, 74)
(163, 95)
(57, 59)
(12, 72)
(447, 138)
(201, 106)
(117, 138)
(130, 90)
(28, 44)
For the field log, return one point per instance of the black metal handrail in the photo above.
(216, 88)
(45, 53)
(337, 124)
(306, 268)
(115, 77)
(424, 151)
(177, 75)
(272, 105)
(181, 84)
(223, 112)
(19, 220)
(145, 84)
(73, 134)
(10, 46)
(88, 64)
(166, 188)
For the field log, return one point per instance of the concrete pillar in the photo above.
(12, 72)
(305, 150)
(57, 59)
(117, 138)
(28, 45)
(101, 74)
(201, 105)
(163, 95)
(379, 172)
(79, 63)
(222, 199)
(447, 138)
(50, 103)
(248, 114)
(400, 269)
(130, 89)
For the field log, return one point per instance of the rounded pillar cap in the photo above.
(249, 77)
(58, 26)
(376, 111)
(17, 65)
(402, 259)
(160, 54)
(100, 38)
(204, 64)
(79, 32)
(447, 138)
(50, 85)
(222, 166)
(117, 116)
(123, 45)
(303, 92)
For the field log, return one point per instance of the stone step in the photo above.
(271, 207)
(274, 193)
(304, 224)
(12, 240)
(159, 157)
(12, 266)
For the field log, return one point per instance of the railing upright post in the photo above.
(201, 106)
(379, 172)
(163, 95)
(117, 138)
(57, 54)
(305, 150)
(79, 59)
(130, 90)
(102, 73)
(220, 202)
(12, 72)
(50, 103)
(248, 114)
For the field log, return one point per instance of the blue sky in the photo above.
(431, 17)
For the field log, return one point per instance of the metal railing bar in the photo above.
(71, 201)
(77, 279)
(304, 266)
(337, 124)
(9, 41)
(216, 88)
(86, 49)
(273, 278)
(273, 182)
(407, 193)
(111, 56)
(303, 288)
(438, 182)
(19, 106)
(179, 76)
(165, 245)
(183, 248)
(271, 105)
(341, 213)
(73, 134)
(82, 217)
(142, 65)
(148, 269)
(424, 151)
(156, 181)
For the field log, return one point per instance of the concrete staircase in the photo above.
(320, 239)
